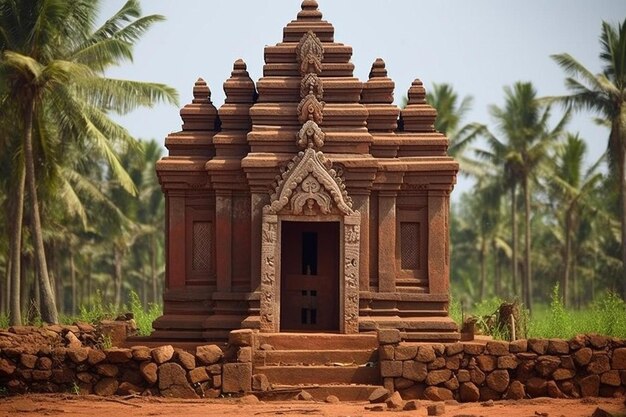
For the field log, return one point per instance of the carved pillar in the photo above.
(351, 256)
(176, 239)
(438, 271)
(270, 295)
(257, 201)
(387, 241)
(223, 239)
(361, 203)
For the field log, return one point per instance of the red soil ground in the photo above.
(69, 405)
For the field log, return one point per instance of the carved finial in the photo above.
(417, 93)
(309, 10)
(310, 53)
(201, 92)
(239, 66)
(310, 136)
(378, 69)
(310, 108)
(311, 84)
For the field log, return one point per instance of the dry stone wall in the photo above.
(587, 365)
(63, 359)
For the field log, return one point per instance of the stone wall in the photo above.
(58, 361)
(587, 365)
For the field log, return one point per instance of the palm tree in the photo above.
(52, 68)
(523, 143)
(571, 186)
(605, 94)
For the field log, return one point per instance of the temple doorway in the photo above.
(309, 276)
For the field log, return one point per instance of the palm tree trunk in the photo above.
(15, 250)
(622, 164)
(117, 265)
(48, 306)
(153, 273)
(483, 268)
(496, 269)
(527, 263)
(73, 278)
(514, 240)
(5, 291)
(567, 256)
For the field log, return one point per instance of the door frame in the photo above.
(271, 249)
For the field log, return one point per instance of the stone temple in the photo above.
(308, 202)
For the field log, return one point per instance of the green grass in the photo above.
(4, 321)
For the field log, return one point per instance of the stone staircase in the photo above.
(321, 364)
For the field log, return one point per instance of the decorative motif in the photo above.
(269, 233)
(352, 233)
(310, 53)
(201, 252)
(310, 108)
(268, 273)
(310, 136)
(310, 164)
(311, 84)
(410, 245)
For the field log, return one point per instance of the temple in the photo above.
(308, 202)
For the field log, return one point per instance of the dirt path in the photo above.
(68, 405)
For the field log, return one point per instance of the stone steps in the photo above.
(353, 392)
(320, 357)
(318, 341)
(322, 375)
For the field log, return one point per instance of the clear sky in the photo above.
(478, 46)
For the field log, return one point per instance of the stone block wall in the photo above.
(63, 364)
(587, 365)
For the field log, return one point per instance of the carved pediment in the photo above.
(310, 53)
(310, 186)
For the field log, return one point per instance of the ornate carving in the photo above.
(310, 108)
(269, 233)
(311, 84)
(310, 53)
(352, 233)
(310, 165)
(310, 136)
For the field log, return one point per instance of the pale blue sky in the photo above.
(477, 46)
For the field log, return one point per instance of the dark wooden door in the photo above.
(309, 298)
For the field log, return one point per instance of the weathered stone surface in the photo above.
(438, 377)
(250, 399)
(209, 354)
(507, 362)
(173, 381)
(63, 376)
(386, 352)
(516, 391)
(95, 356)
(558, 347)
(452, 384)
(546, 365)
(162, 354)
(539, 346)
(553, 390)
(42, 374)
(518, 346)
(240, 337)
(438, 363)
(599, 364)
(453, 362)
(260, 382)
(405, 352)
(244, 354)
(468, 392)
(332, 399)
(561, 374)
(394, 402)
(438, 394)
(602, 412)
(216, 381)
(473, 348)
(477, 376)
(379, 395)
(536, 387)
(583, 356)
(304, 396)
(78, 355)
(597, 341)
(186, 359)
(411, 405)
(619, 359)
(402, 383)
(454, 349)
(577, 342)
(28, 361)
(498, 380)
(488, 394)
(106, 387)
(149, 372)
(389, 336)
(486, 363)
(436, 409)
(567, 362)
(141, 353)
(590, 386)
(425, 353)
(198, 375)
(72, 340)
(237, 377)
(107, 369)
(128, 388)
(44, 363)
(390, 369)
(497, 348)
(463, 375)
(611, 378)
(118, 355)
